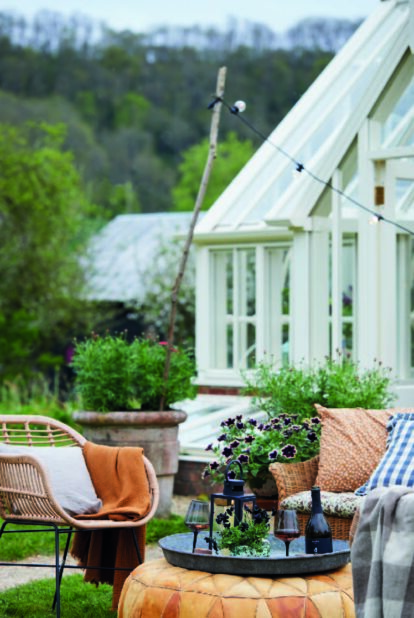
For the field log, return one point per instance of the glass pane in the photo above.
(229, 282)
(404, 192)
(247, 282)
(229, 341)
(251, 346)
(398, 128)
(347, 339)
(286, 283)
(285, 344)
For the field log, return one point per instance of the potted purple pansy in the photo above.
(257, 444)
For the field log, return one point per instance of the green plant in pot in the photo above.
(248, 538)
(114, 374)
(120, 385)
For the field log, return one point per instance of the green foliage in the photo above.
(148, 360)
(247, 535)
(337, 383)
(78, 599)
(157, 280)
(232, 155)
(256, 445)
(42, 208)
(104, 373)
(114, 374)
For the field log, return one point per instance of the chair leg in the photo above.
(56, 601)
(134, 536)
(4, 524)
(62, 566)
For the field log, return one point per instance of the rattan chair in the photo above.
(292, 478)
(26, 496)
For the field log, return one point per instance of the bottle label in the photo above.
(319, 546)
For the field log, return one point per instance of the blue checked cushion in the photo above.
(336, 504)
(397, 465)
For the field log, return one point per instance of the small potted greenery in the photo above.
(249, 538)
(120, 385)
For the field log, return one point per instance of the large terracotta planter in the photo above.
(156, 432)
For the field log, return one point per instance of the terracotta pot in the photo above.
(156, 432)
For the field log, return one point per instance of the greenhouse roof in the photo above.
(125, 249)
(318, 131)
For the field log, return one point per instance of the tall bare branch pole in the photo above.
(212, 153)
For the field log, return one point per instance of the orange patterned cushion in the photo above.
(352, 444)
(157, 589)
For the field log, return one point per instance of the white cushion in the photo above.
(68, 475)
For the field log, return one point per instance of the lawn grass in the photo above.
(78, 600)
(20, 546)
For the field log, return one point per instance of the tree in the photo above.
(42, 209)
(233, 154)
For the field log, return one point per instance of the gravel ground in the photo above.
(15, 576)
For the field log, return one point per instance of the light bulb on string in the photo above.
(238, 106)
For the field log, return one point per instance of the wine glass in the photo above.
(286, 527)
(197, 518)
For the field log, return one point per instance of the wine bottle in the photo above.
(318, 534)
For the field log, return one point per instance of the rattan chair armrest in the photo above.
(25, 491)
(292, 478)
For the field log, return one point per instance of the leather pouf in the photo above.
(157, 589)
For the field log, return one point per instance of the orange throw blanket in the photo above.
(120, 481)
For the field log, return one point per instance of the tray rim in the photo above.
(300, 564)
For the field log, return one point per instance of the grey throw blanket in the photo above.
(382, 555)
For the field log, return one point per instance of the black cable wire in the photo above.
(300, 167)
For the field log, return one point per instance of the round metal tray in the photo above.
(177, 550)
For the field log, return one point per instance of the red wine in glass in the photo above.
(286, 527)
(197, 518)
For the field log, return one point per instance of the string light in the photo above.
(240, 106)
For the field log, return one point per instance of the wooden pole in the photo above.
(212, 153)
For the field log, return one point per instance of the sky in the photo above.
(144, 15)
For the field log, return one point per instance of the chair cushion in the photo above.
(352, 443)
(338, 505)
(68, 475)
(397, 464)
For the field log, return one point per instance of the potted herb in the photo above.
(248, 538)
(120, 385)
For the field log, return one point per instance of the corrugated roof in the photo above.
(125, 248)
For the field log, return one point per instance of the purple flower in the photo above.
(287, 421)
(249, 439)
(315, 420)
(305, 425)
(214, 465)
(289, 451)
(239, 417)
(294, 417)
(243, 458)
(234, 444)
(252, 421)
(296, 428)
(275, 420)
(230, 422)
(205, 474)
(287, 433)
(260, 427)
(277, 427)
(240, 425)
(273, 454)
(209, 447)
(231, 474)
(283, 415)
(227, 451)
(222, 437)
(267, 427)
(312, 437)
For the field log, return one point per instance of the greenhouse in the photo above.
(309, 251)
